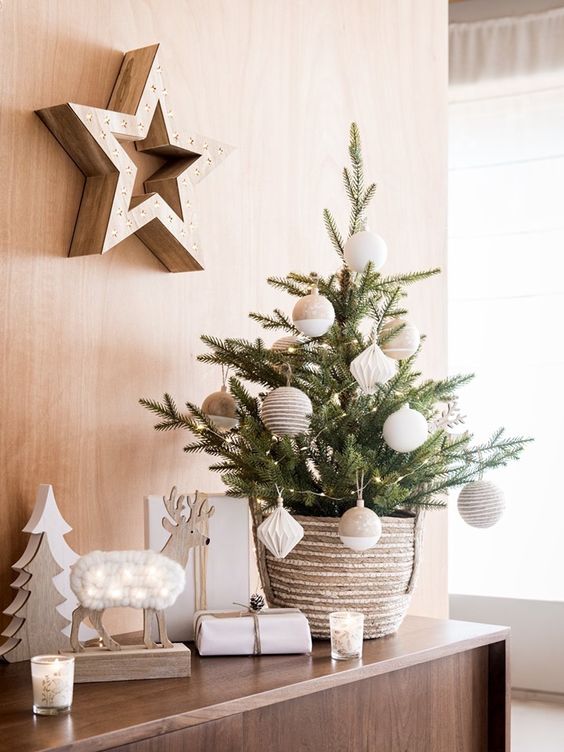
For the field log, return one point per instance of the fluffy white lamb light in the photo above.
(140, 579)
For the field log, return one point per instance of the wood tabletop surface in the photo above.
(106, 715)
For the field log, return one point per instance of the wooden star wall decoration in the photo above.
(140, 110)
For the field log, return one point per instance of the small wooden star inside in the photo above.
(140, 110)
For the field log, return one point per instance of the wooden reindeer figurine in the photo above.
(140, 579)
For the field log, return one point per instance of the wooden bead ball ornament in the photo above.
(313, 315)
(286, 410)
(221, 408)
(481, 503)
(405, 430)
(280, 532)
(364, 247)
(360, 528)
(402, 344)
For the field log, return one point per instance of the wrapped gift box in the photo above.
(272, 631)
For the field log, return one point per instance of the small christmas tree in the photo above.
(42, 609)
(36, 626)
(349, 431)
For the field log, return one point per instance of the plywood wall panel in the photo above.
(83, 338)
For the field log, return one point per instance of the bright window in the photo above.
(506, 325)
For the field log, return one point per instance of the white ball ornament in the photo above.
(405, 430)
(364, 247)
(286, 411)
(221, 409)
(360, 528)
(481, 503)
(313, 315)
(402, 344)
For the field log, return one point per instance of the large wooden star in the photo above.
(139, 110)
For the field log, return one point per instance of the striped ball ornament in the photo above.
(481, 503)
(286, 344)
(286, 411)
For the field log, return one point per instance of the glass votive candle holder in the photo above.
(52, 677)
(347, 631)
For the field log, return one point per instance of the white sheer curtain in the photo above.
(506, 289)
(516, 49)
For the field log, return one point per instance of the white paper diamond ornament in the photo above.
(372, 367)
(280, 532)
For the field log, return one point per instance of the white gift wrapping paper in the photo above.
(280, 630)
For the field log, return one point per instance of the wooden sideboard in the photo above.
(435, 686)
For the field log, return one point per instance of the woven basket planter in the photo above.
(320, 575)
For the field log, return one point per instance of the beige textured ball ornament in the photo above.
(221, 409)
(481, 503)
(286, 410)
(360, 528)
(404, 343)
(313, 315)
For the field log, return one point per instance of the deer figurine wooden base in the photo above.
(138, 579)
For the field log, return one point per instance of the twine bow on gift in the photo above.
(257, 648)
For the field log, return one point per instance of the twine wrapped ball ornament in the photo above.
(364, 247)
(313, 315)
(280, 532)
(286, 410)
(360, 528)
(221, 409)
(371, 368)
(481, 503)
(405, 430)
(286, 344)
(405, 341)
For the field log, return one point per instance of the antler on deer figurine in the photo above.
(139, 579)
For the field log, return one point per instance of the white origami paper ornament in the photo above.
(371, 368)
(280, 532)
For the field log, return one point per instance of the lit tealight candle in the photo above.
(52, 677)
(347, 629)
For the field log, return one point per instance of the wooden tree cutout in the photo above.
(140, 110)
(42, 607)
